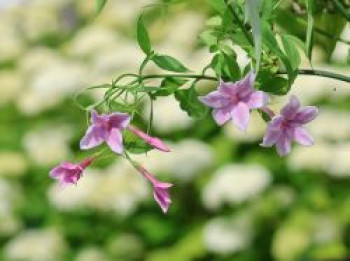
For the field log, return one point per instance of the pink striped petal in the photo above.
(240, 116)
(302, 136)
(115, 141)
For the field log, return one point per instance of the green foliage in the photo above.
(100, 4)
(310, 27)
(169, 63)
(189, 102)
(143, 37)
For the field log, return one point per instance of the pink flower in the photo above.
(234, 100)
(160, 193)
(289, 126)
(106, 128)
(69, 173)
(153, 141)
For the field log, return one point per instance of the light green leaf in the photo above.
(143, 36)
(310, 28)
(291, 51)
(100, 4)
(169, 63)
(189, 102)
(252, 15)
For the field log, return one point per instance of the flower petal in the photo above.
(119, 120)
(94, 116)
(245, 86)
(283, 145)
(93, 137)
(257, 100)
(215, 99)
(162, 197)
(306, 114)
(240, 116)
(221, 116)
(115, 141)
(227, 88)
(302, 136)
(291, 108)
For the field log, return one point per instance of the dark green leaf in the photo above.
(272, 83)
(169, 63)
(189, 102)
(169, 85)
(100, 4)
(135, 145)
(143, 37)
(291, 51)
(310, 27)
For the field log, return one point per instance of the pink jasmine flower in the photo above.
(234, 100)
(153, 141)
(160, 193)
(106, 128)
(69, 173)
(288, 126)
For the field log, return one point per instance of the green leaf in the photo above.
(291, 51)
(252, 15)
(189, 102)
(100, 4)
(169, 63)
(272, 83)
(135, 145)
(169, 85)
(310, 27)
(143, 36)
(218, 5)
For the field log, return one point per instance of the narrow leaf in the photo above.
(291, 51)
(143, 36)
(100, 4)
(169, 63)
(310, 28)
(252, 15)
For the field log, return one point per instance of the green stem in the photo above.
(345, 13)
(309, 72)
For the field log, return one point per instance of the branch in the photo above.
(307, 72)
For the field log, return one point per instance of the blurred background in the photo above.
(233, 200)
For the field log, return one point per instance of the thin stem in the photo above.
(309, 72)
(345, 13)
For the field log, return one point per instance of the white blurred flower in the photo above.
(227, 236)
(10, 82)
(91, 40)
(35, 245)
(185, 161)
(339, 163)
(168, 116)
(341, 50)
(315, 158)
(11, 44)
(118, 188)
(234, 184)
(91, 254)
(50, 86)
(326, 229)
(9, 195)
(48, 146)
(5, 4)
(321, 127)
(12, 164)
(254, 132)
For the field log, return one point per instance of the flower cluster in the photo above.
(235, 100)
(108, 128)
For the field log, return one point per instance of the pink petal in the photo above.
(283, 145)
(94, 116)
(240, 116)
(162, 197)
(94, 136)
(227, 88)
(215, 100)
(115, 141)
(245, 86)
(257, 100)
(306, 114)
(303, 137)
(119, 120)
(291, 108)
(221, 116)
(57, 172)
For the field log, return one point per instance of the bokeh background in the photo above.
(233, 200)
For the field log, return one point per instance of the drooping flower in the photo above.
(234, 100)
(288, 126)
(153, 141)
(160, 192)
(106, 128)
(69, 173)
